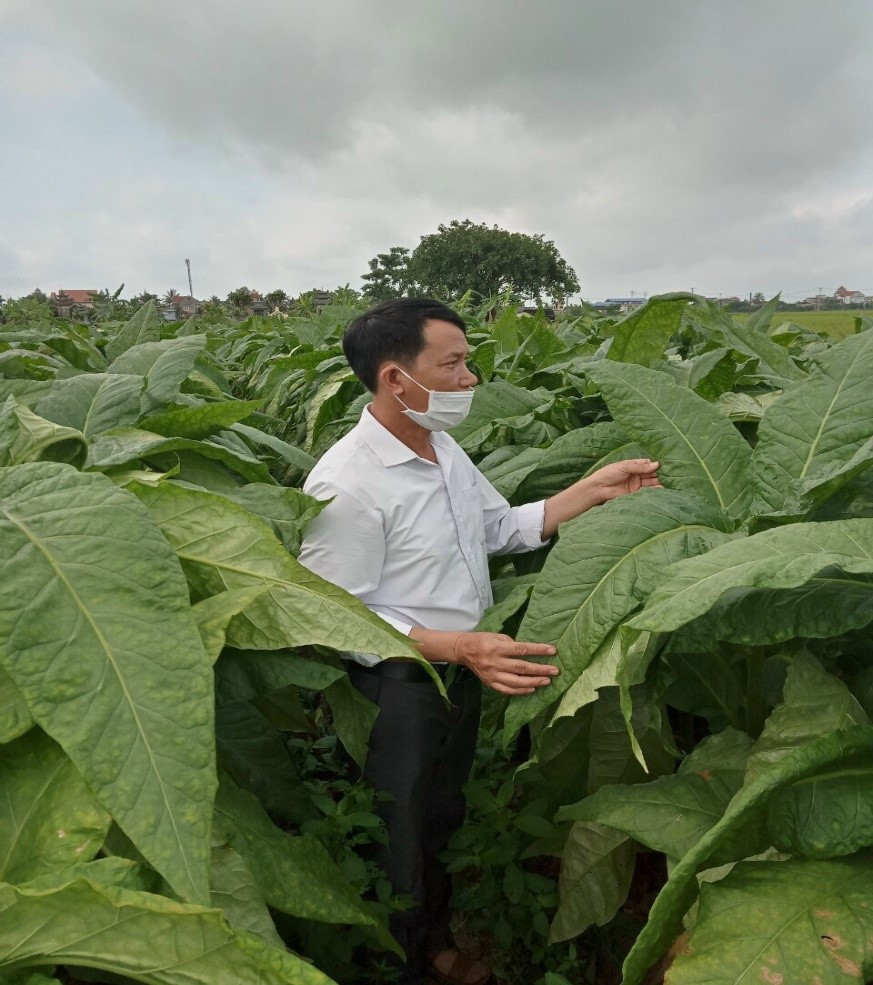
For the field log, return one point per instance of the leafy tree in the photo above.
(171, 296)
(388, 276)
(240, 299)
(276, 299)
(468, 256)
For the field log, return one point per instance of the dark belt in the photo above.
(409, 671)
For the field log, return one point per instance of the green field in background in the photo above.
(837, 324)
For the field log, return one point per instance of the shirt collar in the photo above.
(389, 449)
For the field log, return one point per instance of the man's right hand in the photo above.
(496, 659)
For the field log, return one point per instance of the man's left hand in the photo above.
(616, 479)
(621, 478)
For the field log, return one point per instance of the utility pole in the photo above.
(190, 288)
(750, 302)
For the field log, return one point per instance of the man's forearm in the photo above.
(437, 645)
(569, 503)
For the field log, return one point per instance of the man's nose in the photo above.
(471, 379)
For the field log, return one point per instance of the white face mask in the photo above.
(445, 408)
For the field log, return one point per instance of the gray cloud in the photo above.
(653, 141)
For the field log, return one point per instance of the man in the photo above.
(409, 530)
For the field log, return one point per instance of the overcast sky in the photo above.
(721, 146)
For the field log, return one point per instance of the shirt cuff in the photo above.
(531, 518)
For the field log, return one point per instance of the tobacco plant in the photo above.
(160, 645)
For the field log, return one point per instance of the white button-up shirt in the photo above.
(408, 537)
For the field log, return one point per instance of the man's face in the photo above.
(441, 364)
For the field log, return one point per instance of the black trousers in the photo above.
(421, 751)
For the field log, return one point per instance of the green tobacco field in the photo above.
(698, 781)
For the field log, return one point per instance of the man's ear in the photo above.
(390, 379)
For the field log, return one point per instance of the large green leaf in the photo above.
(289, 453)
(235, 891)
(15, 719)
(86, 922)
(815, 427)
(27, 437)
(604, 565)
(249, 674)
(700, 452)
(165, 366)
(48, 818)
(665, 916)
(241, 675)
(783, 922)
(199, 422)
(286, 510)
(596, 870)
(126, 445)
(353, 717)
(507, 468)
(94, 402)
(144, 326)
(295, 873)
(223, 547)
(256, 756)
(773, 361)
(494, 404)
(825, 816)
(497, 615)
(118, 674)
(671, 814)
(707, 684)
(574, 454)
(643, 335)
(781, 558)
(213, 615)
(828, 604)
(813, 703)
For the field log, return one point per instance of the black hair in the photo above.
(392, 329)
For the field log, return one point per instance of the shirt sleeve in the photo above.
(510, 529)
